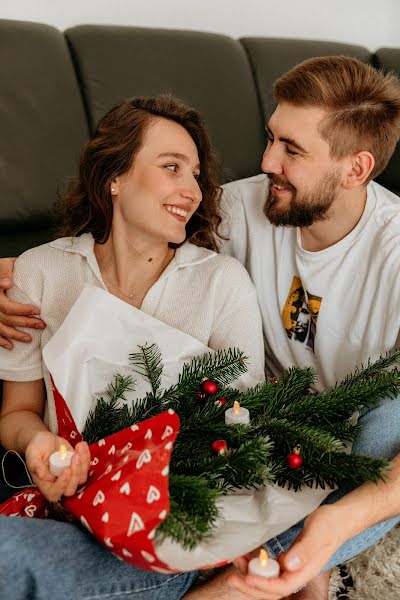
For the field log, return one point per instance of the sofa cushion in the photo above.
(43, 126)
(208, 71)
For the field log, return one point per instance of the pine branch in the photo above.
(389, 359)
(147, 363)
(193, 511)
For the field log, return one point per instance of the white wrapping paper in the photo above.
(92, 345)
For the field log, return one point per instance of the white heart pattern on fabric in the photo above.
(86, 524)
(165, 471)
(30, 510)
(168, 446)
(112, 450)
(94, 462)
(153, 495)
(145, 457)
(30, 497)
(149, 434)
(80, 492)
(162, 514)
(116, 476)
(126, 552)
(149, 557)
(108, 470)
(168, 431)
(99, 498)
(125, 489)
(126, 448)
(151, 535)
(105, 518)
(135, 427)
(135, 525)
(170, 411)
(102, 442)
(108, 542)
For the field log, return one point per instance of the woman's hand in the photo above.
(37, 457)
(13, 314)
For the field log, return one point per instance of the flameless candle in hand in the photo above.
(237, 415)
(60, 460)
(263, 566)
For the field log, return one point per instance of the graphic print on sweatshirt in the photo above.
(300, 314)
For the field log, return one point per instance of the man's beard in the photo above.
(306, 209)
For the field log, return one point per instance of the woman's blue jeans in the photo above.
(47, 560)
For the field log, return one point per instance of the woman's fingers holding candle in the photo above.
(75, 475)
(52, 490)
(82, 449)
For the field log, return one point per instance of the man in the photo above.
(321, 243)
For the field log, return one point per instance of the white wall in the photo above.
(371, 23)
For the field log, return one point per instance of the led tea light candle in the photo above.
(263, 566)
(60, 460)
(237, 415)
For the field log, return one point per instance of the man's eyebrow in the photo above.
(177, 155)
(287, 140)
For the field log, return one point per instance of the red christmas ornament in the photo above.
(221, 401)
(209, 387)
(220, 446)
(201, 395)
(294, 459)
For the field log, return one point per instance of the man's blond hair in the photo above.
(362, 104)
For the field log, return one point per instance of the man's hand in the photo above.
(13, 314)
(320, 538)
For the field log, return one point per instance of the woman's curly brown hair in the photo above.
(88, 208)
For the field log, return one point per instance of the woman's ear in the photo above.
(114, 187)
(361, 166)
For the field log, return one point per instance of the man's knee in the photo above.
(380, 430)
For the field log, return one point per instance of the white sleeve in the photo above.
(234, 224)
(24, 362)
(237, 321)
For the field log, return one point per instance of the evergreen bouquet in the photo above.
(202, 469)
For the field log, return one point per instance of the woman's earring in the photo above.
(112, 190)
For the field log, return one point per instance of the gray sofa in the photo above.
(55, 85)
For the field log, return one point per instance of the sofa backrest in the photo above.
(56, 86)
(42, 125)
(208, 71)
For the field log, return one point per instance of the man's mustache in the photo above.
(276, 180)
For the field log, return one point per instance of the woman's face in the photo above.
(158, 195)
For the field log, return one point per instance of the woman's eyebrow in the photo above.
(177, 155)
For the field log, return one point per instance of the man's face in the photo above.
(304, 180)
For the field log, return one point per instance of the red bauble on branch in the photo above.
(220, 401)
(294, 459)
(209, 387)
(220, 446)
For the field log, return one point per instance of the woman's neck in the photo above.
(130, 269)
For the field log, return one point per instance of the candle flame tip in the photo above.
(263, 557)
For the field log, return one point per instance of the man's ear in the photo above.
(360, 167)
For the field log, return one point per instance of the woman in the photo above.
(142, 222)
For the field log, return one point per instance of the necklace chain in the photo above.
(131, 295)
